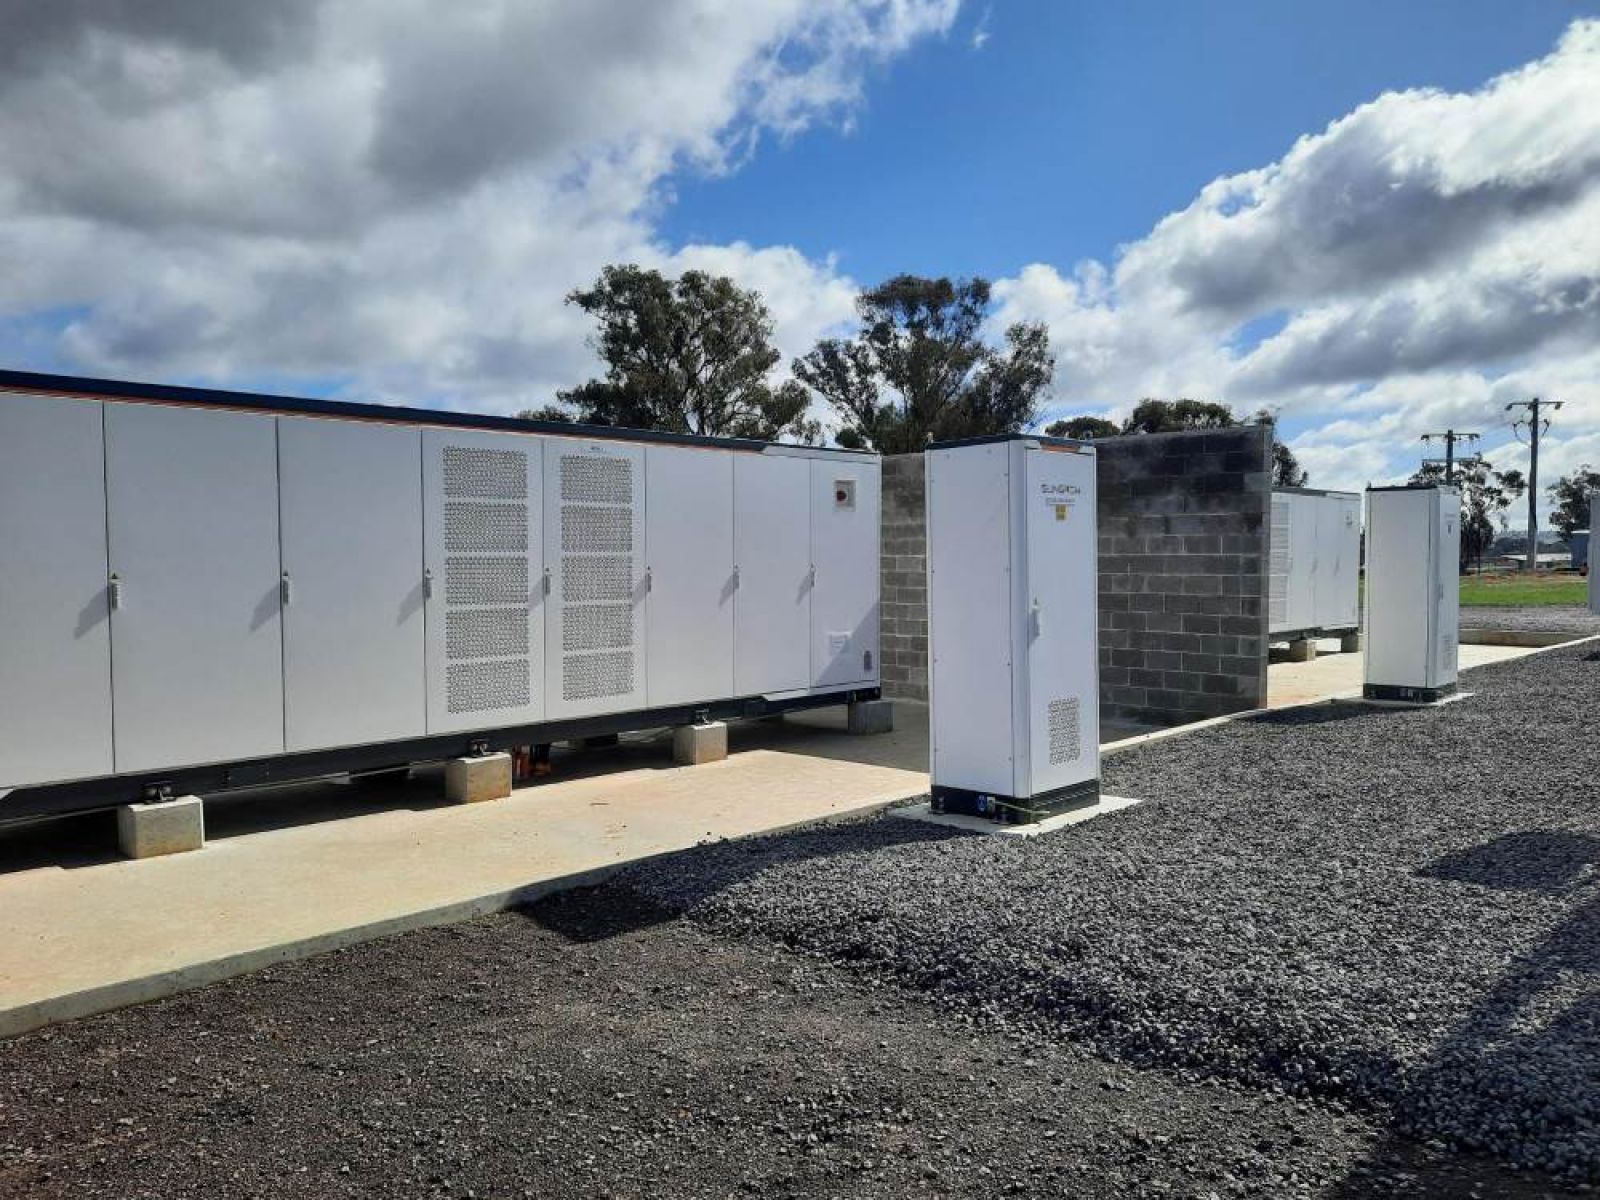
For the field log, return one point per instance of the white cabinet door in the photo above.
(196, 638)
(844, 547)
(595, 553)
(55, 649)
(483, 566)
(1447, 630)
(689, 607)
(1062, 619)
(351, 506)
(772, 552)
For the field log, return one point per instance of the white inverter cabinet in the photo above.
(1594, 585)
(202, 590)
(1413, 601)
(1314, 582)
(1013, 627)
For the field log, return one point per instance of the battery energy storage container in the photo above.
(1413, 599)
(212, 589)
(1315, 580)
(1013, 627)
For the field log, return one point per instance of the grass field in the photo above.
(1517, 590)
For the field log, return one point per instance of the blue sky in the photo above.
(1077, 126)
(1377, 219)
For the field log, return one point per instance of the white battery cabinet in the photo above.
(205, 590)
(350, 500)
(772, 558)
(690, 591)
(55, 643)
(1413, 593)
(1315, 563)
(1013, 627)
(196, 635)
(845, 532)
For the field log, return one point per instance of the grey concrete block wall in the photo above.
(904, 611)
(1184, 523)
(1184, 520)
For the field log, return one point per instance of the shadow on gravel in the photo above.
(1531, 1042)
(596, 914)
(1316, 714)
(691, 878)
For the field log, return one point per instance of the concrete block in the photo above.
(696, 744)
(1349, 643)
(871, 716)
(1305, 650)
(472, 780)
(161, 827)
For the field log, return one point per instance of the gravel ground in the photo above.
(1398, 909)
(1560, 618)
(591, 1047)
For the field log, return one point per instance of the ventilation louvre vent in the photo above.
(484, 686)
(487, 639)
(594, 530)
(1065, 743)
(1278, 563)
(597, 577)
(469, 525)
(594, 676)
(485, 474)
(485, 580)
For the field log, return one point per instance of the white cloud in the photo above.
(1423, 260)
(392, 192)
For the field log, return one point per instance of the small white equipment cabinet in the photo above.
(1413, 601)
(202, 590)
(1013, 627)
(1594, 584)
(1315, 575)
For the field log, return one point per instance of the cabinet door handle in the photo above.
(1038, 619)
(114, 590)
(286, 589)
(547, 581)
(736, 579)
(649, 580)
(427, 583)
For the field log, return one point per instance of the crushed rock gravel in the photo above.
(1393, 909)
(590, 1047)
(1552, 618)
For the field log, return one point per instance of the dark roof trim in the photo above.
(1294, 491)
(1414, 487)
(114, 389)
(993, 438)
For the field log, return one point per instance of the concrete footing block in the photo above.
(871, 716)
(483, 777)
(1304, 650)
(161, 827)
(1349, 643)
(696, 744)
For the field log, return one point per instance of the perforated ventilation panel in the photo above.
(1065, 742)
(487, 638)
(1278, 563)
(597, 577)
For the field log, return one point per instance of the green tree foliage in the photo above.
(1570, 494)
(550, 412)
(689, 355)
(1085, 429)
(917, 369)
(1485, 496)
(1169, 416)
(1172, 416)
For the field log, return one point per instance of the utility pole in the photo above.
(1536, 426)
(1450, 437)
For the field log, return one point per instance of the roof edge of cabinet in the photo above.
(126, 391)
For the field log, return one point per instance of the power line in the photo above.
(1450, 437)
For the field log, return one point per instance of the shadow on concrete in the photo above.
(1531, 1043)
(595, 914)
